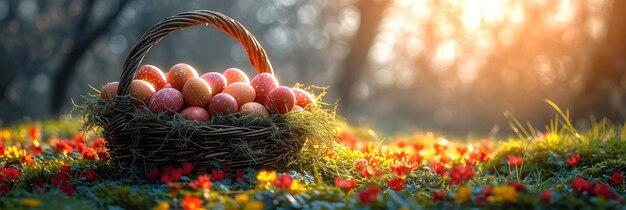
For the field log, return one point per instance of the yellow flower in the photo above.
(296, 187)
(254, 205)
(265, 177)
(463, 194)
(242, 198)
(503, 193)
(164, 205)
(30, 202)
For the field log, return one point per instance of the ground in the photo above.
(50, 165)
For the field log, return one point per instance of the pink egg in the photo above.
(197, 92)
(263, 83)
(223, 104)
(140, 92)
(153, 75)
(254, 109)
(179, 74)
(166, 100)
(280, 100)
(235, 75)
(242, 92)
(109, 90)
(216, 81)
(195, 113)
(304, 98)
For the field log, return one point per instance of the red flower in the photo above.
(345, 184)
(573, 161)
(202, 182)
(187, 168)
(175, 187)
(545, 196)
(369, 195)
(400, 170)
(239, 177)
(89, 154)
(28, 158)
(617, 178)
(360, 164)
(396, 184)
(515, 160)
(67, 169)
(417, 146)
(103, 155)
(98, 143)
(171, 175)
(283, 181)
(191, 203)
(440, 147)
(400, 156)
(9, 174)
(79, 138)
(439, 195)
(89, 174)
(599, 189)
(369, 172)
(68, 189)
(518, 187)
(59, 179)
(34, 132)
(81, 147)
(217, 176)
(4, 189)
(438, 168)
(461, 149)
(153, 174)
(580, 185)
(63, 147)
(460, 174)
(469, 161)
(34, 149)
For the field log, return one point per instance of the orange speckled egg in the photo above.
(109, 90)
(179, 74)
(254, 109)
(152, 75)
(263, 83)
(195, 113)
(243, 92)
(223, 104)
(280, 100)
(197, 92)
(216, 81)
(167, 100)
(140, 92)
(235, 75)
(304, 98)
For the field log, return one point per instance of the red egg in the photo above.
(153, 75)
(195, 113)
(304, 98)
(109, 90)
(179, 74)
(280, 100)
(254, 109)
(140, 92)
(216, 81)
(263, 83)
(167, 100)
(223, 104)
(235, 75)
(243, 92)
(197, 92)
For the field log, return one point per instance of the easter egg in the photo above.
(166, 100)
(195, 113)
(263, 83)
(297, 108)
(243, 92)
(152, 75)
(140, 92)
(197, 92)
(235, 75)
(223, 104)
(179, 74)
(304, 98)
(109, 90)
(216, 81)
(254, 109)
(280, 100)
(168, 86)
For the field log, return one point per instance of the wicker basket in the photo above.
(140, 144)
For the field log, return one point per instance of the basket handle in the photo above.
(256, 53)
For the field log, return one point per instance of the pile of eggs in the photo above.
(181, 90)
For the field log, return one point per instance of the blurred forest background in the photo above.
(395, 65)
